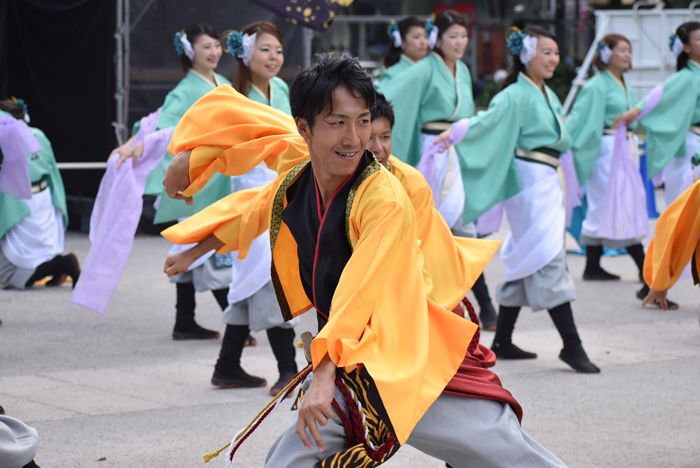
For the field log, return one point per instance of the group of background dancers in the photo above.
(506, 158)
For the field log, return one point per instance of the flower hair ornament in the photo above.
(393, 32)
(240, 45)
(23, 105)
(604, 52)
(432, 31)
(183, 45)
(522, 45)
(675, 44)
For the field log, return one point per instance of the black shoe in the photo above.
(510, 351)
(576, 357)
(642, 294)
(488, 317)
(282, 382)
(240, 379)
(599, 275)
(195, 332)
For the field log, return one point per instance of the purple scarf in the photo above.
(17, 142)
(115, 217)
(624, 214)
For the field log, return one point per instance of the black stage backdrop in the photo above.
(57, 55)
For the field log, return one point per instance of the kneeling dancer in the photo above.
(391, 365)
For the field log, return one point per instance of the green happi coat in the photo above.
(177, 102)
(402, 65)
(41, 164)
(426, 92)
(521, 116)
(668, 123)
(602, 99)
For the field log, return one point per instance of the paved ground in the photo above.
(117, 386)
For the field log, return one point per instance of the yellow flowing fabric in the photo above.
(675, 241)
(382, 314)
(231, 134)
(453, 263)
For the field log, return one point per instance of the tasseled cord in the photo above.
(267, 410)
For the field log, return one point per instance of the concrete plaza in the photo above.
(117, 387)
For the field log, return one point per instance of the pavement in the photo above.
(116, 390)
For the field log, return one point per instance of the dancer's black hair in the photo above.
(311, 92)
(683, 33)
(393, 55)
(383, 110)
(518, 65)
(193, 32)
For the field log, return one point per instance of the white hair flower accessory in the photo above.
(241, 45)
(529, 50)
(676, 45)
(604, 52)
(393, 31)
(183, 45)
(522, 45)
(248, 48)
(432, 31)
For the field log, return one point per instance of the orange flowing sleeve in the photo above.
(236, 220)
(232, 134)
(675, 241)
(453, 263)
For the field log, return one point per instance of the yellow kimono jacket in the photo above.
(382, 314)
(675, 242)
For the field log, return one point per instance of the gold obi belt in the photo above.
(435, 128)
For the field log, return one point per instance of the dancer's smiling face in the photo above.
(338, 136)
(268, 57)
(207, 52)
(453, 42)
(542, 66)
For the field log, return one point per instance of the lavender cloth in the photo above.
(427, 165)
(624, 214)
(574, 192)
(115, 218)
(490, 222)
(17, 142)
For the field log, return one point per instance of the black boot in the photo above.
(282, 343)
(636, 251)
(573, 353)
(502, 345)
(59, 268)
(593, 271)
(228, 372)
(487, 314)
(185, 326)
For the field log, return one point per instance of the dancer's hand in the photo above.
(444, 138)
(656, 297)
(133, 153)
(177, 264)
(627, 117)
(316, 405)
(177, 177)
